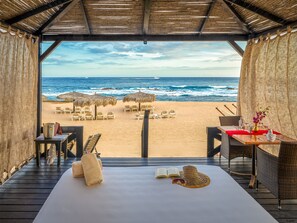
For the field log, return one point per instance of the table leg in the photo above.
(253, 177)
(37, 147)
(58, 145)
(65, 149)
(45, 150)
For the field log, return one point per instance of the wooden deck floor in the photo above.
(24, 194)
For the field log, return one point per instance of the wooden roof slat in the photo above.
(146, 17)
(49, 22)
(35, 11)
(210, 7)
(86, 19)
(60, 15)
(259, 11)
(237, 17)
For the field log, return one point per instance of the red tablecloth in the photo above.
(245, 132)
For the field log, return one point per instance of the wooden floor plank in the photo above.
(23, 195)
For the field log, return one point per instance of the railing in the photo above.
(145, 134)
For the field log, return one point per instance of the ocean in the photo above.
(220, 89)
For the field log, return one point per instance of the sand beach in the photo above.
(183, 136)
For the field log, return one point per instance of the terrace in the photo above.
(270, 55)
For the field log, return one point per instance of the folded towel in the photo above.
(91, 168)
(77, 169)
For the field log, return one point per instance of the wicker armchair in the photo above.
(279, 173)
(231, 148)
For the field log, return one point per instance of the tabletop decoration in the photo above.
(260, 115)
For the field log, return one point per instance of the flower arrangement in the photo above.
(260, 115)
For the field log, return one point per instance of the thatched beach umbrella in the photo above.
(72, 96)
(97, 100)
(140, 97)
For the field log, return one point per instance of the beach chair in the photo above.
(171, 114)
(87, 109)
(99, 116)
(164, 114)
(59, 110)
(231, 148)
(143, 108)
(77, 109)
(89, 116)
(110, 115)
(91, 143)
(134, 108)
(127, 108)
(150, 107)
(140, 116)
(67, 110)
(75, 117)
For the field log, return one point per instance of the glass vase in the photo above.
(256, 128)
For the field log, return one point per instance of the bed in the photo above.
(133, 195)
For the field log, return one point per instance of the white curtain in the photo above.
(269, 78)
(18, 90)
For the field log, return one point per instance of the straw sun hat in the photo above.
(191, 178)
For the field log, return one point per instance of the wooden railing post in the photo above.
(212, 133)
(145, 134)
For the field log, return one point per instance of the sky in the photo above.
(136, 59)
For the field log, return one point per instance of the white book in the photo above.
(167, 172)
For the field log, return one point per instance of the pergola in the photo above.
(268, 62)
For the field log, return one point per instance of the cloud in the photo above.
(132, 58)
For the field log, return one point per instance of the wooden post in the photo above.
(39, 90)
(145, 134)
(212, 133)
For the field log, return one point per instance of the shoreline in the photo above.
(183, 136)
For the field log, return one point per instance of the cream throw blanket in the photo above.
(91, 168)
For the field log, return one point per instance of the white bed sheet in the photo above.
(133, 195)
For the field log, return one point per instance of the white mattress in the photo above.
(133, 195)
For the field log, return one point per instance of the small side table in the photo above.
(58, 140)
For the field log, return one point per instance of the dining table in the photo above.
(253, 138)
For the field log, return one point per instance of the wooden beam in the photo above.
(258, 11)
(86, 19)
(205, 37)
(36, 11)
(275, 29)
(246, 27)
(203, 23)
(56, 17)
(236, 47)
(146, 17)
(50, 50)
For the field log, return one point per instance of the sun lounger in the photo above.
(89, 116)
(77, 109)
(164, 114)
(86, 109)
(67, 110)
(171, 114)
(127, 108)
(75, 117)
(59, 110)
(143, 108)
(140, 116)
(99, 116)
(149, 107)
(153, 116)
(134, 108)
(110, 115)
